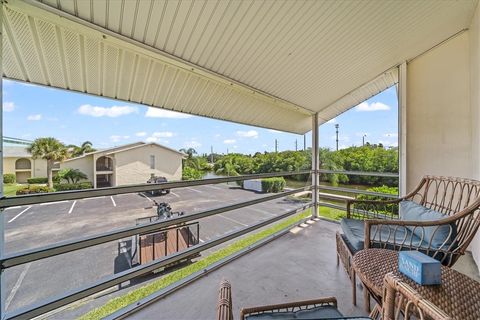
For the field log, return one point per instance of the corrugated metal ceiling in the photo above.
(292, 56)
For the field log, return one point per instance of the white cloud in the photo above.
(375, 106)
(229, 141)
(163, 134)
(112, 112)
(217, 136)
(162, 113)
(156, 140)
(344, 138)
(334, 120)
(117, 138)
(192, 144)
(248, 134)
(141, 134)
(274, 131)
(34, 117)
(8, 106)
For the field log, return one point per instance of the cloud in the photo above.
(163, 134)
(274, 131)
(141, 134)
(112, 112)
(248, 134)
(375, 106)
(8, 106)
(334, 120)
(34, 117)
(117, 138)
(391, 135)
(192, 144)
(229, 141)
(162, 113)
(157, 140)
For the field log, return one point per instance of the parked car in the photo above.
(154, 179)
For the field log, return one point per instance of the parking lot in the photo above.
(36, 226)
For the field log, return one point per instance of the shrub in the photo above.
(190, 173)
(72, 176)
(389, 208)
(273, 184)
(72, 186)
(9, 178)
(31, 189)
(37, 180)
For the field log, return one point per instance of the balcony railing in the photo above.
(23, 257)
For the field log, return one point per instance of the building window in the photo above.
(152, 162)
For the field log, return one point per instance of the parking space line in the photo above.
(113, 201)
(17, 285)
(194, 190)
(202, 241)
(16, 207)
(55, 202)
(173, 193)
(18, 215)
(233, 220)
(71, 208)
(146, 197)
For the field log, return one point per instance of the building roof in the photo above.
(265, 63)
(126, 147)
(16, 152)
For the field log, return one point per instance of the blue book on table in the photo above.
(419, 267)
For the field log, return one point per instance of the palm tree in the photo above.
(190, 161)
(77, 151)
(51, 150)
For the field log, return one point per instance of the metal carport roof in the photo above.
(266, 63)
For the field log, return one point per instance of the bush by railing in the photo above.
(273, 184)
(390, 208)
(31, 189)
(37, 180)
(72, 186)
(9, 178)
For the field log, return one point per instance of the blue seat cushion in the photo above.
(438, 235)
(354, 234)
(326, 312)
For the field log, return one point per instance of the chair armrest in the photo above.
(368, 209)
(224, 303)
(289, 306)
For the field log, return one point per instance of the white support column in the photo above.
(402, 128)
(315, 164)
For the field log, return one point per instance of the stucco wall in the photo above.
(84, 164)
(133, 166)
(39, 166)
(474, 34)
(439, 122)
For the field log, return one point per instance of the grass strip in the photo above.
(142, 292)
(333, 214)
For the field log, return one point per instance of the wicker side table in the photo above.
(458, 295)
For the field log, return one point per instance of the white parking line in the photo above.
(113, 201)
(173, 193)
(55, 202)
(18, 215)
(202, 241)
(194, 190)
(17, 285)
(71, 208)
(146, 197)
(233, 220)
(16, 207)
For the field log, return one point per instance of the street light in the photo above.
(336, 127)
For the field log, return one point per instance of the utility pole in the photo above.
(276, 145)
(304, 142)
(211, 154)
(296, 145)
(363, 140)
(336, 127)
(227, 150)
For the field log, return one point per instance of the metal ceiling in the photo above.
(267, 63)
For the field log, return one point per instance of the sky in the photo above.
(31, 111)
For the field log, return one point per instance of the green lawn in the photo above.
(137, 294)
(10, 189)
(332, 214)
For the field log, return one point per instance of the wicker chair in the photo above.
(377, 224)
(401, 302)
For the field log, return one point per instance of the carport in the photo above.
(282, 65)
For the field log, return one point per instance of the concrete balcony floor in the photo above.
(300, 265)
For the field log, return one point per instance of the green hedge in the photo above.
(72, 186)
(273, 184)
(389, 208)
(31, 189)
(37, 180)
(9, 178)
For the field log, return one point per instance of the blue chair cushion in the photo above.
(326, 312)
(438, 235)
(354, 234)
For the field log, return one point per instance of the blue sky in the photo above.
(32, 111)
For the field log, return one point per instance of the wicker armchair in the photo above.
(378, 223)
(401, 302)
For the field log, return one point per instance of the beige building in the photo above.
(17, 160)
(129, 164)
